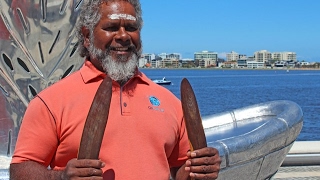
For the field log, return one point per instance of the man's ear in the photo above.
(86, 34)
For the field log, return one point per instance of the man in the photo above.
(145, 137)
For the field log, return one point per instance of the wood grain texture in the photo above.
(96, 122)
(192, 116)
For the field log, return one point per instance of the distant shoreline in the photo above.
(257, 69)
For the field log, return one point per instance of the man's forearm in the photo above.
(32, 170)
(179, 173)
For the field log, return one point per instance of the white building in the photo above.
(163, 55)
(243, 57)
(142, 62)
(148, 57)
(284, 56)
(255, 64)
(304, 63)
(233, 56)
(262, 56)
(177, 56)
(155, 63)
(206, 58)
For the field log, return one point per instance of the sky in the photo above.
(222, 26)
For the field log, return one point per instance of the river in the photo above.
(223, 90)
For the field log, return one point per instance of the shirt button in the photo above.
(125, 104)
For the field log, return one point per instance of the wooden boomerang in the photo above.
(192, 117)
(96, 122)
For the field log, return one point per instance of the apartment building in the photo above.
(169, 63)
(284, 56)
(155, 63)
(232, 56)
(242, 63)
(177, 56)
(206, 58)
(262, 56)
(255, 65)
(148, 57)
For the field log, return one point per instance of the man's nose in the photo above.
(122, 35)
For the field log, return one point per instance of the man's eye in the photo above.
(131, 28)
(111, 28)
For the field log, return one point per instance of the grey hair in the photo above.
(90, 16)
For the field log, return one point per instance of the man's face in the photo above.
(116, 40)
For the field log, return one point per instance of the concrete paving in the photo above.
(298, 173)
(301, 163)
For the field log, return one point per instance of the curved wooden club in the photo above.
(192, 116)
(96, 122)
(193, 121)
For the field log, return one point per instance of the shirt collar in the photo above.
(90, 73)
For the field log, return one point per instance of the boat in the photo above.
(162, 81)
(254, 141)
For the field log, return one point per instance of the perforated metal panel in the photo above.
(37, 48)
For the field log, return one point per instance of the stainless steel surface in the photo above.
(303, 153)
(37, 48)
(301, 160)
(254, 141)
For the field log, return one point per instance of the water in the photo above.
(223, 90)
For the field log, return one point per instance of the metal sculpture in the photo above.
(37, 48)
(253, 141)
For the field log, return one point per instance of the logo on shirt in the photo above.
(155, 102)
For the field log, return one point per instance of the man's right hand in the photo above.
(75, 169)
(84, 168)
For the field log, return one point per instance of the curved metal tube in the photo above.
(254, 140)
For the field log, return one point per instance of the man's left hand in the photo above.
(203, 163)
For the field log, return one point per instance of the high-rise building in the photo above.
(233, 56)
(262, 56)
(206, 59)
(284, 56)
(148, 57)
(177, 56)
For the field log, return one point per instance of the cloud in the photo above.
(222, 55)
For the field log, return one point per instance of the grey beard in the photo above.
(119, 69)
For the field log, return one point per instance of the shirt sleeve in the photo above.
(179, 154)
(37, 138)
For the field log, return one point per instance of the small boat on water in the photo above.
(162, 81)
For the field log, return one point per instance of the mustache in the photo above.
(101, 54)
(130, 48)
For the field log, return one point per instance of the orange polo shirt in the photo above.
(144, 137)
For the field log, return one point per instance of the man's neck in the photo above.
(122, 82)
(96, 63)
